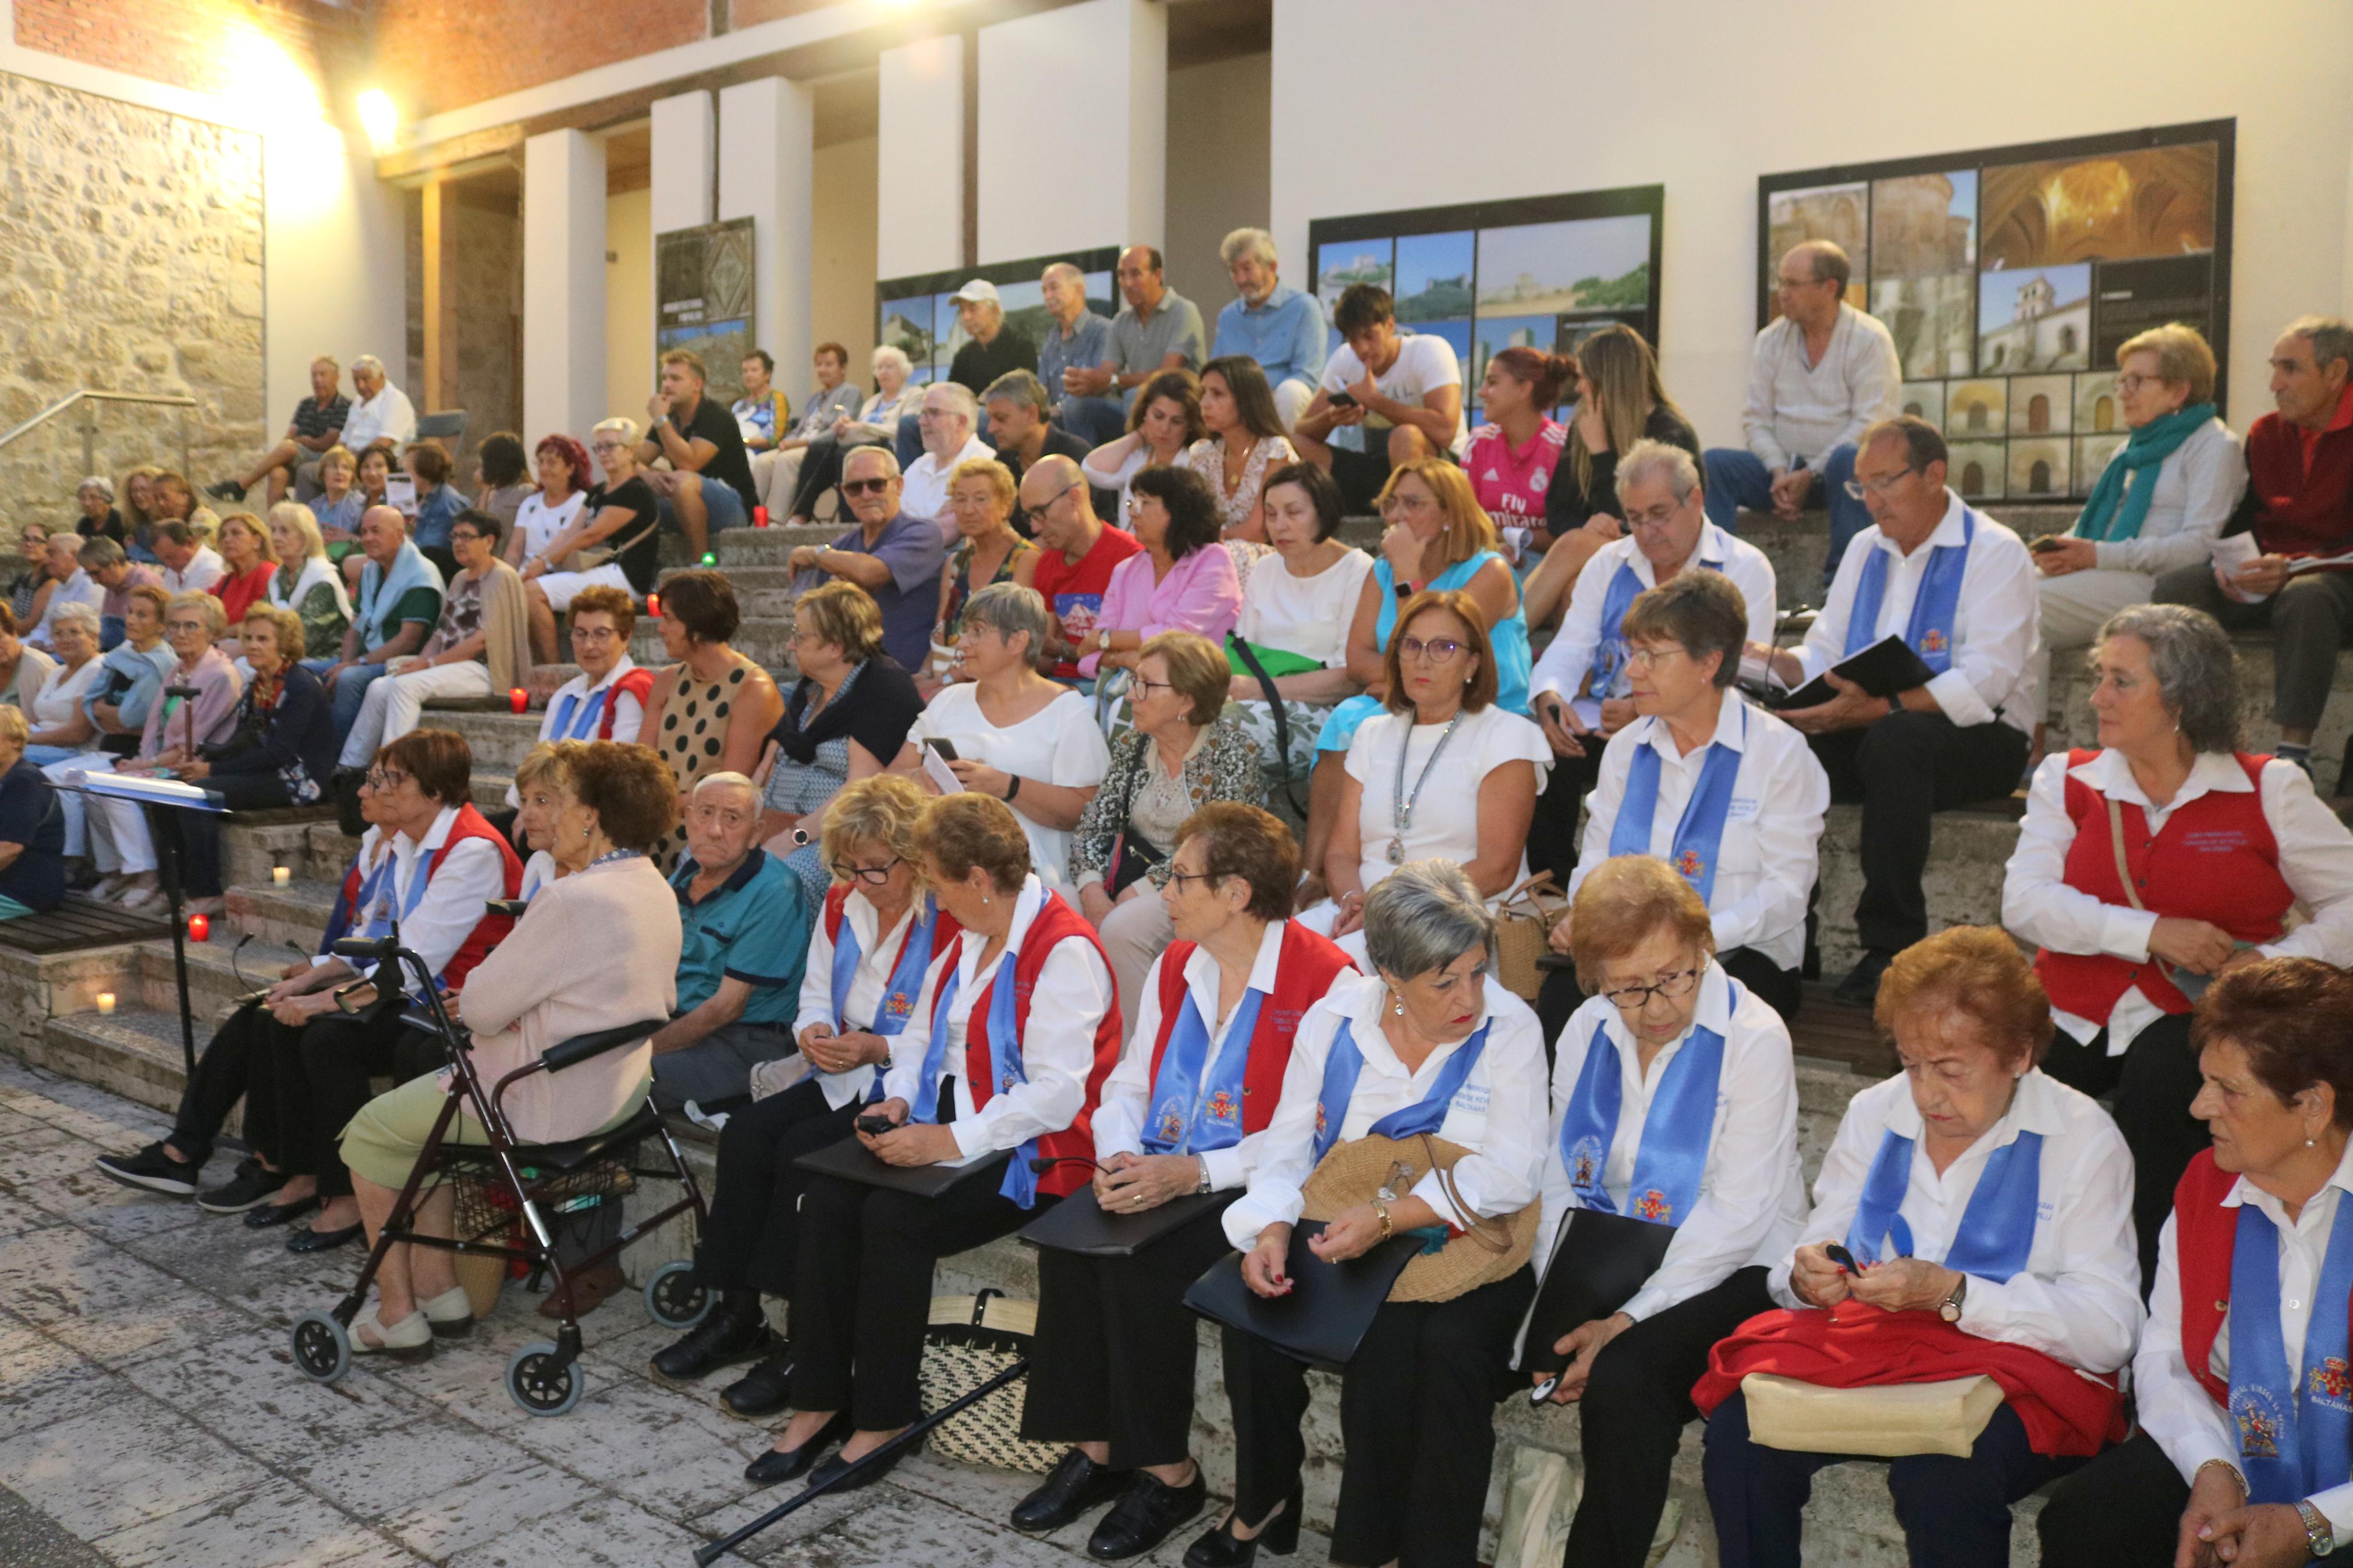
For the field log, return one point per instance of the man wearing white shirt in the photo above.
(946, 418)
(1581, 690)
(1402, 391)
(1958, 588)
(381, 416)
(74, 586)
(1820, 373)
(190, 565)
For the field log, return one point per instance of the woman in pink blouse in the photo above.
(1180, 582)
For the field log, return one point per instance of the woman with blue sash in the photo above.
(1673, 1169)
(2246, 1410)
(1184, 1114)
(1426, 1044)
(1437, 540)
(874, 942)
(1987, 1213)
(1721, 790)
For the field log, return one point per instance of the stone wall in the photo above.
(131, 261)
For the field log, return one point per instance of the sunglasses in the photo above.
(864, 486)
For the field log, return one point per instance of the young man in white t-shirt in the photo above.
(1406, 390)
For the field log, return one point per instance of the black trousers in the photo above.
(1417, 1416)
(865, 1289)
(1778, 988)
(200, 830)
(1553, 838)
(1955, 1513)
(1905, 769)
(1633, 1415)
(2150, 1087)
(1113, 1356)
(224, 1071)
(2123, 1510)
(320, 1076)
(821, 472)
(753, 1239)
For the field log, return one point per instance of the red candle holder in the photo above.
(759, 517)
(519, 700)
(200, 927)
(654, 607)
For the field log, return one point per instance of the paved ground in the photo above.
(150, 1412)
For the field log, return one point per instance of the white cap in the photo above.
(980, 291)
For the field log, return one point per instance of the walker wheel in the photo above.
(542, 1384)
(675, 1299)
(323, 1349)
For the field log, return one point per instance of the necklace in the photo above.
(609, 856)
(1402, 804)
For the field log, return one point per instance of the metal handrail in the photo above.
(90, 425)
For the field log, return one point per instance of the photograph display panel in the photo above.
(2009, 279)
(918, 315)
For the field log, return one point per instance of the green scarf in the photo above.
(2102, 519)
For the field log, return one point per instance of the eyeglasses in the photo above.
(1634, 998)
(1403, 501)
(185, 626)
(385, 778)
(1438, 650)
(1146, 688)
(608, 446)
(864, 486)
(1181, 877)
(1645, 657)
(872, 876)
(1656, 518)
(2133, 383)
(593, 634)
(1861, 488)
(468, 537)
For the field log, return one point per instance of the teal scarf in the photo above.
(2102, 519)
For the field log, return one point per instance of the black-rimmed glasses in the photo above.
(872, 876)
(1634, 998)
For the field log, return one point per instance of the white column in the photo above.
(767, 170)
(919, 161)
(563, 284)
(1052, 182)
(685, 150)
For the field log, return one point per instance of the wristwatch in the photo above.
(2318, 1533)
(1949, 1309)
(1204, 1164)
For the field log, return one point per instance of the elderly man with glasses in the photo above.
(896, 558)
(948, 417)
(1077, 552)
(1958, 589)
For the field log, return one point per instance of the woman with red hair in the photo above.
(554, 528)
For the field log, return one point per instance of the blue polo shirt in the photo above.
(1286, 335)
(753, 928)
(1088, 346)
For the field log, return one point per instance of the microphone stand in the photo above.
(165, 827)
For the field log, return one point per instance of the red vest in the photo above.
(944, 928)
(1055, 922)
(492, 928)
(2204, 1236)
(1305, 968)
(639, 683)
(2215, 860)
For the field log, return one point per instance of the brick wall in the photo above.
(209, 45)
(438, 55)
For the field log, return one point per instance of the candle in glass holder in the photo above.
(517, 698)
(106, 1001)
(759, 517)
(653, 605)
(281, 875)
(200, 927)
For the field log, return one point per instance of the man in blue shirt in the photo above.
(746, 927)
(1271, 322)
(1078, 341)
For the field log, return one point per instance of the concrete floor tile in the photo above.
(663, 1449)
(605, 1533)
(272, 1526)
(389, 1471)
(186, 1321)
(13, 1123)
(245, 1389)
(779, 1541)
(131, 1461)
(61, 1274)
(18, 1218)
(488, 1508)
(904, 1531)
(42, 1382)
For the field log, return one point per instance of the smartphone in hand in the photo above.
(875, 1123)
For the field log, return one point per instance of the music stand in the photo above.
(165, 799)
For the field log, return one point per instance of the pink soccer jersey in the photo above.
(1511, 485)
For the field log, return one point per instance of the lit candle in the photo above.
(653, 605)
(106, 1001)
(708, 559)
(281, 875)
(759, 517)
(517, 698)
(200, 927)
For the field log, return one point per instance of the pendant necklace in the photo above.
(1402, 804)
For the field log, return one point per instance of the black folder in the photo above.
(1078, 1223)
(853, 1162)
(1330, 1307)
(1600, 1260)
(1882, 670)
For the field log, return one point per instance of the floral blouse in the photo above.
(1225, 765)
(1206, 458)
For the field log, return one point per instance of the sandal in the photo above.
(451, 1315)
(409, 1340)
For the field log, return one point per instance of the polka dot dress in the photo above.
(693, 734)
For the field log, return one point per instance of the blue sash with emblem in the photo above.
(1930, 630)
(1699, 835)
(1344, 1062)
(577, 715)
(1609, 651)
(1192, 1113)
(1997, 1230)
(898, 1003)
(2296, 1433)
(1672, 1154)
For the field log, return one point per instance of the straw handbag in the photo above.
(1361, 1169)
(971, 1340)
(1524, 923)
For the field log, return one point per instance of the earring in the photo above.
(1396, 1003)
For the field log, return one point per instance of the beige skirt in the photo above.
(382, 1142)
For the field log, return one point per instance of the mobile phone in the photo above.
(944, 750)
(1343, 400)
(2046, 543)
(1543, 1391)
(1842, 1257)
(875, 1123)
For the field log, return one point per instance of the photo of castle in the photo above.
(2034, 320)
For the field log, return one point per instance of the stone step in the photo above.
(292, 917)
(500, 741)
(135, 1053)
(220, 971)
(765, 639)
(1966, 853)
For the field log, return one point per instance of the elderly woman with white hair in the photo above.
(1424, 1044)
(60, 726)
(2154, 862)
(98, 520)
(876, 423)
(177, 729)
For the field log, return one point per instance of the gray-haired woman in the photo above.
(1424, 1043)
(2154, 862)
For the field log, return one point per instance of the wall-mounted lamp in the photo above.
(380, 119)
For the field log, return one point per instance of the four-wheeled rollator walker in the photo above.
(529, 1184)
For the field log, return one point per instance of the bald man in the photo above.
(1076, 551)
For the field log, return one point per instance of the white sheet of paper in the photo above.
(1587, 710)
(2230, 553)
(940, 774)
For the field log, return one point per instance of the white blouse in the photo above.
(2038, 906)
(2078, 1298)
(539, 522)
(1768, 858)
(1306, 616)
(877, 957)
(61, 696)
(1059, 745)
(1752, 1194)
(1444, 824)
(1058, 1051)
(1498, 1113)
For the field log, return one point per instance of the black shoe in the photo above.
(249, 1189)
(829, 1473)
(729, 1336)
(310, 1238)
(1277, 1536)
(153, 1170)
(270, 1217)
(1074, 1485)
(763, 1391)
(1861, 987)
(226, 489)
(787, 1464)
(1147, 1514)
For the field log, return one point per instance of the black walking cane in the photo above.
(706, 1556)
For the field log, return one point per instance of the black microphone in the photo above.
(1040, 1164)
